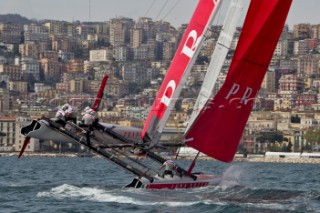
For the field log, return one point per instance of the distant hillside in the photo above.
(15, 18)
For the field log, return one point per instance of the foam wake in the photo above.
(67, 191)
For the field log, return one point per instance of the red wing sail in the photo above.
(219, 127)
(179, 68)
(100, 94)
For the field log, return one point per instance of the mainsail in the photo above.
(179, 69)
(218, 56)
(218, 129)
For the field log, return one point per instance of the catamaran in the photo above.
(216, 128)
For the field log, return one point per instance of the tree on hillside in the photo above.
(272, 137)
(312, 137)
(286, 148)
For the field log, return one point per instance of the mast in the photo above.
(218, 56)
(218, 129)
(180, 67)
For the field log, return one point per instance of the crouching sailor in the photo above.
(169, 167)
(65, 113)
(69, 113)
(88, 118)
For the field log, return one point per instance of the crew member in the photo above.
(69, 113)
(60, 115)
(89, 116)
(169, 167)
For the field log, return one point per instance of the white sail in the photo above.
(218, 57)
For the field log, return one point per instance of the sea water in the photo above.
(96, 185)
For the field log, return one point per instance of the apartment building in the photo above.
(18, 86)
(30, 69)
(51, 69)
(168, 50)
(290, 84)
(308, 65)
(8, 127)
(302, 31)
(29, 49)
(136, 37)
(118, 32)
(122, 53)
(11, 70)
(35, 32)
(116, 88)
(301, 47)
(60, 28)
(10, 33)
(269, 82)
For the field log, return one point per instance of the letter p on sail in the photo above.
(234, 89)
(166, 98)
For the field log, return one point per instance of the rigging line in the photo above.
(170, 10)
(164, 5)
(148, 10)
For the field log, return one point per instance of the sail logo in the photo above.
(247, 95)
(189, 51)
(168, 92)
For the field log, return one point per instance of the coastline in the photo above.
(255, 158)
(280, 160)
(47, 154)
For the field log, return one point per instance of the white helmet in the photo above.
(66, 107)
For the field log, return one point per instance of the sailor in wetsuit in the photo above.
(169, 167)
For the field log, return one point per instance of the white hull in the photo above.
(41, 129)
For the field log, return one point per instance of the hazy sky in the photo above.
(175, 11)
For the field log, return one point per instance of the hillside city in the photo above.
(44, 64)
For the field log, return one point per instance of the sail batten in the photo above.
(180, 67)
(218, 129)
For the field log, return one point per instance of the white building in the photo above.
(101, 55)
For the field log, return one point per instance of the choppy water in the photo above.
(95, 185)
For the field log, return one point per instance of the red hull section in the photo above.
(185, 182)
(181, 61)
(177, 185)
(219, 127)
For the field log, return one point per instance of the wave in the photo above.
(238, 196)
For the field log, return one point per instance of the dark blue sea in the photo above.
(95, 185)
